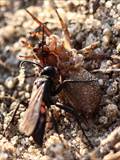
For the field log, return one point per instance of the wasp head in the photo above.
(49, 71)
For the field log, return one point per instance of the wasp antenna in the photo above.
(66, 32)
(22, 63)
(47, 31)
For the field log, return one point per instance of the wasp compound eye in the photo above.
(49, 71)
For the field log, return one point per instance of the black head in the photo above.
(49, 71)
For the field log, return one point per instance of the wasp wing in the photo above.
(39, 130)
(31, 116)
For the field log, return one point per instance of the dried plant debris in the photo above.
(91, 48)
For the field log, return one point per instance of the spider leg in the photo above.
(67, 40)
(47, 31)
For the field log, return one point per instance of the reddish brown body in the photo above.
(85, 97)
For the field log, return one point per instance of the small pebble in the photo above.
(106, 37)
(111, 111)
(108, 4)
(3, 156)
(28, 87)
(14, 140)
(3, 107)
(103, 120)
(112, 89)
(101, 82)
(118, 48)
(10, 82)
(118, 7)
(27, 95)
(2, 91)
(14, 105)
(7, 32)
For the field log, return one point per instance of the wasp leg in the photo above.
(77, 118)
(72, 111)
(54, 122)
(56, 126)
(12, 119)
(68, 109)
(65, 82)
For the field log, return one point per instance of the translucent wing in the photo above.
(31, 116)
(39, 131)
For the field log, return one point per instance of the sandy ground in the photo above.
(88, 21)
